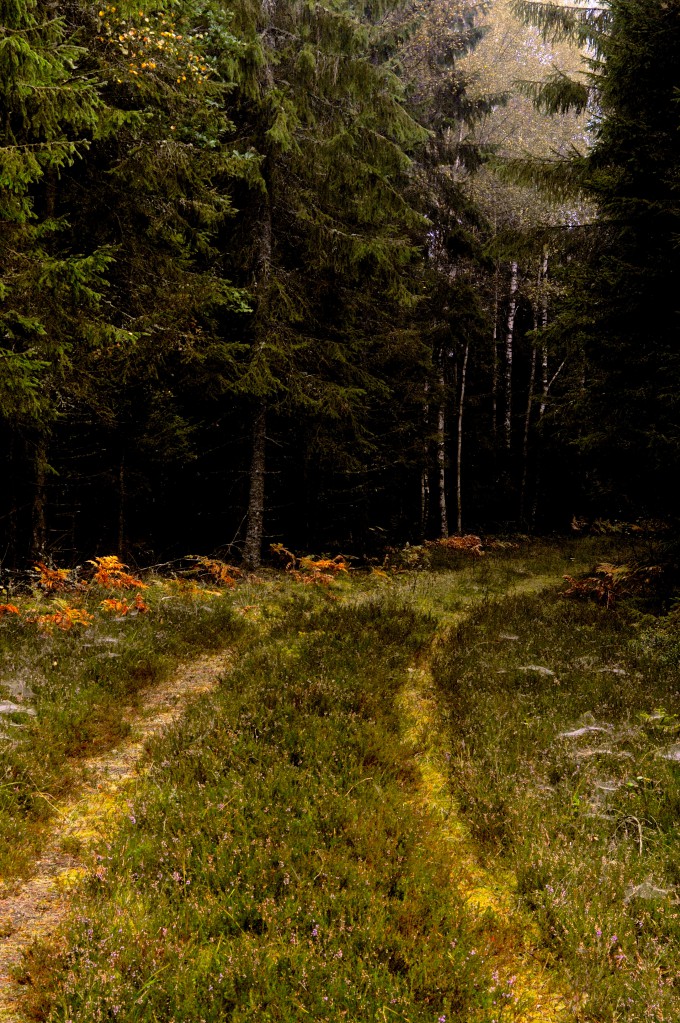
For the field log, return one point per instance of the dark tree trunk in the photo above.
(122, 500)
(425, 473)
(39, 517)
(252, 551)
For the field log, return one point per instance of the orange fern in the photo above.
(110, 574)
(610, 582)
(469, 544)
(53, 580)
(319, 570)
(283, 552)
(308, 569)
(64, 618)
(121, 607)
(219, 571)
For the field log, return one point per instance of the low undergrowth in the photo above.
(276, 864)
(564, 725)
(64, 688)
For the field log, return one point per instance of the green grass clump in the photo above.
(565, 747)
(277, 863)
(79, 682)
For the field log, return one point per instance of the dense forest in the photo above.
(335, 274)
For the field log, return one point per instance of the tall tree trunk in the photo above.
(252, 551)
(544, 323)
(539, 302)
(425, 473)
(525, 442)
(509, 342)
(12, 516)
(494, 352)
(459, 440)
(441, 451)
(545, 382)
(39, 523)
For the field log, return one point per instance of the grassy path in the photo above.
(37, 907)
(295, 850)
(524, 989)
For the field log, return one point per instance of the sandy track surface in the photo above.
(34, 909)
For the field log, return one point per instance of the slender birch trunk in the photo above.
(509, 342)
(538, 303)
(441, 451)
(459, 440)
(544, 323)
(494, 353)
(545, 380)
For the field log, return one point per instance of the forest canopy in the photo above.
(334, 274)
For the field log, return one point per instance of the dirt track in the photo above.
(35, 908)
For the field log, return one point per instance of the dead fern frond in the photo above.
(219, 571)
(65, 617)
(283, 552)
(53, 580)
(110, 574)
(469, 544)
(610, 582)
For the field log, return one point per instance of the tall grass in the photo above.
(78, 683)
(564, 724)
(275, 864)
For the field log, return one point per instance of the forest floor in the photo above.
(390, 807)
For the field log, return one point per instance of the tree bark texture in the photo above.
(425, 474)
(39, 525)
(252, 551)
(441, 452)
(459, 440)
(544, 323)
(509, 342)
(494, 352)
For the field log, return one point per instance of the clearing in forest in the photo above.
(389, 809)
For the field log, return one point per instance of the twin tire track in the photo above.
(527, 991)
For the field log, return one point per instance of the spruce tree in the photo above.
(48, 112)
(622, 305)
(153, 195)
(326, 226)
